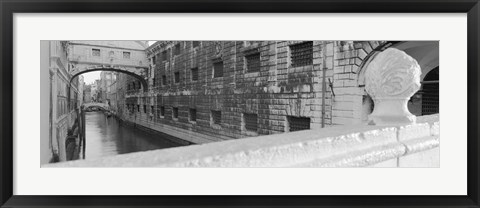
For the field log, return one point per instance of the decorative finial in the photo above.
(391, 78)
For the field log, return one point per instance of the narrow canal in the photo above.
(106, 136)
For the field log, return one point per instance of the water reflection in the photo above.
(106, 136)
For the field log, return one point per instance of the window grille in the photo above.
(217, 117)
(164, 80)
(194, 72)
(195, 44)
(302, 54)
(298, 123)
(218, 69)
(95, 52)
(126, 55)
(193, 114)
(253, 62)
(430, 104)
(250, 121)
(175, 112)
(177, 77)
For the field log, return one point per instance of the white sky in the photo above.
(90, 77)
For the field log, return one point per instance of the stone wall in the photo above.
(280, 90)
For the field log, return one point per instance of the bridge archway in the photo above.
(137, 73)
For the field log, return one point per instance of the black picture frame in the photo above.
(9, 7)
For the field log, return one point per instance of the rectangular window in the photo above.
(177, 77)
(302, 54)
(162, 111)
(250, 121)
(176, 50)
(217, 117)
(151, 109)
(138, 108)
(95, 52)
(193, 114)
(194, 73)
(218, 69)
(253, 62)
(144, 108)
(164, 80)
(126, 55)
(195, 44)
(298, 123)
(154, 59)
(175, 112)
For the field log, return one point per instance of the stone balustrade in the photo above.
(408, 145)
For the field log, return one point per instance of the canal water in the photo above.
(106, 136)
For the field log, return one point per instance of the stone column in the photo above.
(391, 78)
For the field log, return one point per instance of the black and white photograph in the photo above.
(241, 103)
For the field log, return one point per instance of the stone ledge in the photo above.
(340, 146)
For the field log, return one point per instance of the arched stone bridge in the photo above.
(138, 73)
(126, 57)
(98, 105)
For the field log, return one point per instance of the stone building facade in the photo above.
(64, 97)
(203, 91)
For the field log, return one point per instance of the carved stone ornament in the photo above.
(391, 78)
(218, 47)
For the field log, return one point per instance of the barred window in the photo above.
(195, 44)
(251, 121)
(177, 49)
(95, 52)
(217, 117)
(298, 123)
(218, 69)
(177, 77)
(194, 73)
(175, 112)
(302, 54)
(253, 62)
(193, 114)
(164, 80)
(126, 55)
(164, 55)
